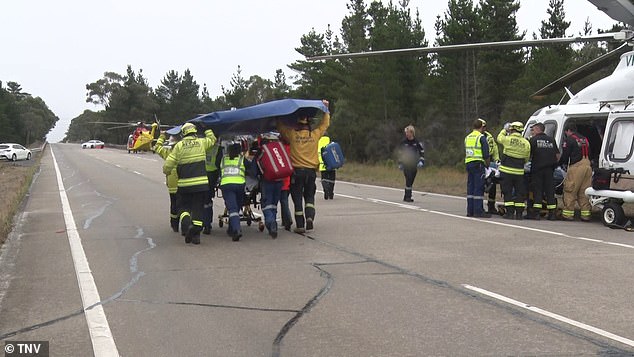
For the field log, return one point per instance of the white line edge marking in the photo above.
(578, 324)
(100, 334)
(486, 221)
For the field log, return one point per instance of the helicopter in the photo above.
(142, 137)
(603, 111)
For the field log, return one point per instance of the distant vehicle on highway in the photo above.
(13, 152)
(93, 144)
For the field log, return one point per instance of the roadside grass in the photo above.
(444, 180)
(15, 180)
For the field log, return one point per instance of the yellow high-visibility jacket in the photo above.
(188, 157)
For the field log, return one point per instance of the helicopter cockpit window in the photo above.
(620, 140)
(550, 128)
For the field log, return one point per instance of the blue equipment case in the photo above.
(332, 156)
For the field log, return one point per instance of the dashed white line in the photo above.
(485, 221)
(564, 319)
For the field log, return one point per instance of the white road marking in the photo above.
(564, 319)
(486, 221)
(401, 190)
(100, 334)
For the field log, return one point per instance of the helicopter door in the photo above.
(619, 143)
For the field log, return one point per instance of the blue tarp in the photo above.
(260, 118)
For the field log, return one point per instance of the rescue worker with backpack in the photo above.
(575, 154)
(303, 141)
(515, 154)
(328, 176)
(188, 158)
(274, 166)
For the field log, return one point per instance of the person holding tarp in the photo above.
(188, 158)
(303, 140)
(171, 179)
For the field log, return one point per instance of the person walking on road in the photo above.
(171, 179)
(328, 176)
(515, 153)
(410, 158)
(303, 141)
(575, 155)
(188, 158)
(232, 184)
(476, 160)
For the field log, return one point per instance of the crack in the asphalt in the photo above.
(133, 269)
(607, 349)
(309, 305)
(185, 303)
(41, 324)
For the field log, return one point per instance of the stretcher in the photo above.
(251, 191)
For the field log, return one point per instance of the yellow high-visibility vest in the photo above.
(232, 170)
(473, 147)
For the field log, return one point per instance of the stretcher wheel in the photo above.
(261, 226)
(220, 223)
(248, 221)
(613, 214)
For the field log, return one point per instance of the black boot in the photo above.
(551, 215)
(510, 212)
(491, 208)
(533, 213)
(408, 195)
(519, 213)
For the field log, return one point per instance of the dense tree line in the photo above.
(373, 98)
(24, 119)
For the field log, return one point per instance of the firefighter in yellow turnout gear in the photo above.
(515, 153)
(188, 157)
(171, 179)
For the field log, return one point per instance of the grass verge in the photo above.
(430, 179)
(15, 179)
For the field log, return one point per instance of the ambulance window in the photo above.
(620, 140)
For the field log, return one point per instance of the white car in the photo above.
(93, 144)
(14, 152)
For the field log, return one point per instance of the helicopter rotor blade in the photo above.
(580, 72)
(120, 126)
(486, 45)
(108, 122)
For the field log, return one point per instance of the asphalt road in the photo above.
(375, 278)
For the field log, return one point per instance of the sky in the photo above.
(54, 48)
